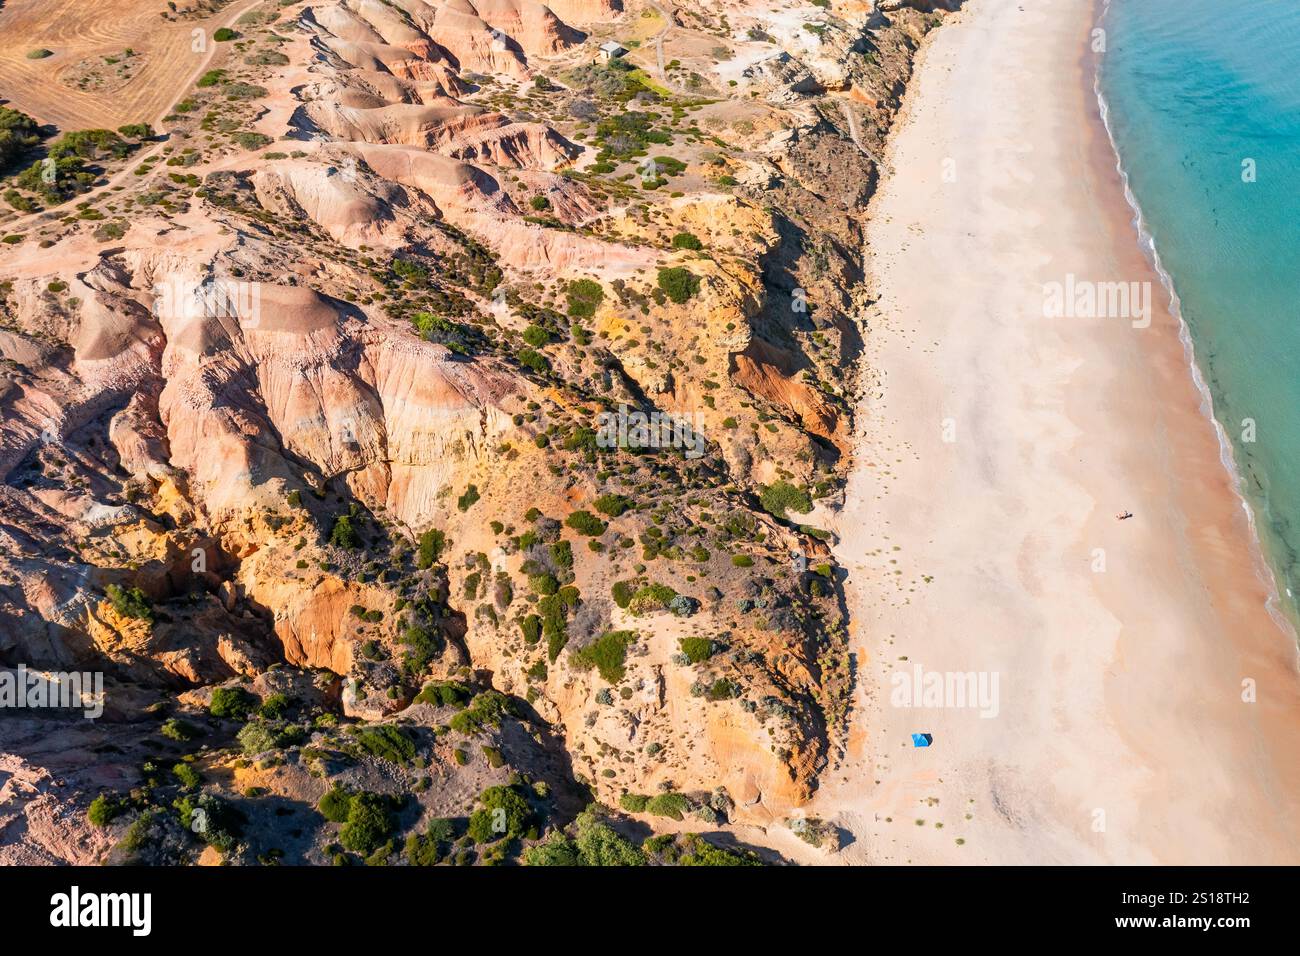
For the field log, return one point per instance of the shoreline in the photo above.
(1120, 689)
(1282, 609)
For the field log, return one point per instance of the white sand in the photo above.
(1121, 691)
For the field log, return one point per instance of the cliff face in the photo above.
(383, 396)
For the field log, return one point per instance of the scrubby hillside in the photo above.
(329, 435)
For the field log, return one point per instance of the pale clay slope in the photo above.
(220, 417)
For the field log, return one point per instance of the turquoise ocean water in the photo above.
(1197, 91)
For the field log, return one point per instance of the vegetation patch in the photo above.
(781, 496)
(680, 285)
(387, 742)
(607, 654)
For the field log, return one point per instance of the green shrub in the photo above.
(502, 813)
(690, 849)
(584, 522)
(555, 850)
(595, 843)
(562, 555)
(612, 505)
(529, 358)
(485, 710)
(607, 654)
(467, 500)
(420, 648)
(244, 91)
(651, 598)
(369, 823)
(248, 140)
(678, 284)
(233, 702)
(136, 130)
(599, 845)
(334, 804)
(387, 742)
(256, 738)
(447, 693)
(18, 201)
(212, 78)
(554, 626)
(344, 535)
(431, 544)
(781, 496)
(275, 706)
(696, 649)
(129, 602)
(742, 561)
(536, 336)
(544, 583)
(633, 802)
(224, 34)
(458, 338)
(672, 805)
(623, 592)
(582, 439)
(687, 240)
(103, 809)
(723, 689)
(428, 848)
(187, 776)
(221, 822)
(584, 296)
(532, 628)
(176, 729)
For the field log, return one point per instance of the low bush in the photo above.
(387, 742)
(672, 805)
(678, 284)
(232, 702)
(103, 810)
(697, 649)
(607, 654)
(129, 602)
(781, 496)
(584, 522)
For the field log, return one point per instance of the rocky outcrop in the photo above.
(331, 428)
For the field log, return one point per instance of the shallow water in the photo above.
(1204, 108)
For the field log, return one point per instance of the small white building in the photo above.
(610, 50)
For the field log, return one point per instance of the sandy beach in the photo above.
(997, 446)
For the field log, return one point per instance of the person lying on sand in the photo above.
(1125, 516)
